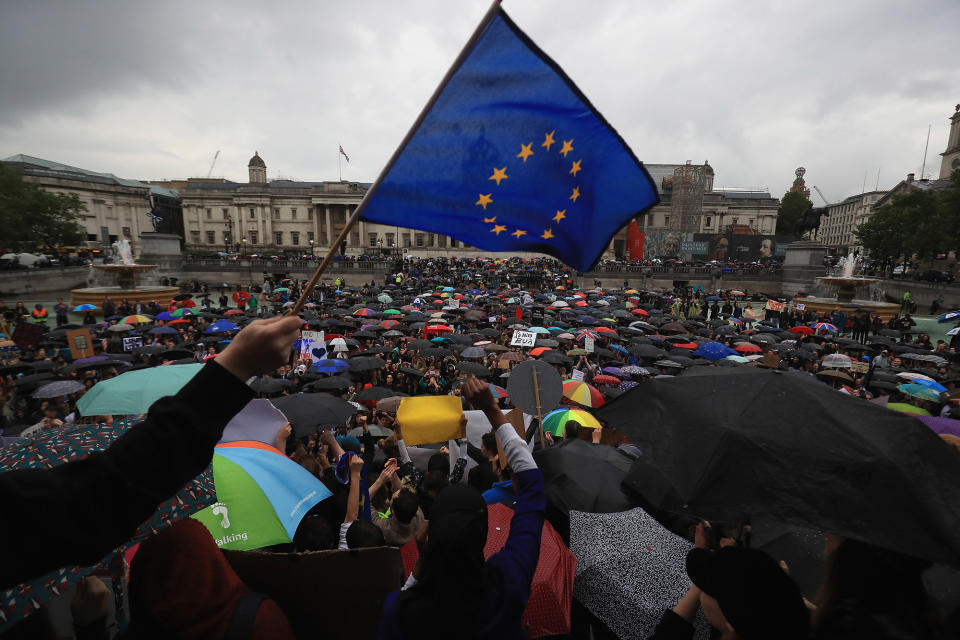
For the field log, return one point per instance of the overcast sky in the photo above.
(151, 90)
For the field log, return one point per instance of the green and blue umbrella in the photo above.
(261, 496)
(85, 307)
(133, 392)
(919, 391)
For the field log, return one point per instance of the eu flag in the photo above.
(511, 156)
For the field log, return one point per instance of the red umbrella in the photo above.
(748, 348)
(551, 594)
(605, 380)
(640, 312)
(188, 303)
(441, 328)
(241, 297)
(801, 330)
(179, 321)
(685, 345)
(605, 330)
(539, 351)
(233, 312)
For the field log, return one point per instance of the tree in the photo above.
(32, 218)
(794, 207)
(918, 223)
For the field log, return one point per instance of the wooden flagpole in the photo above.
(487, 18)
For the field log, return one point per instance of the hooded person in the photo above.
(744, 594)
(454, 591)
(181, 586)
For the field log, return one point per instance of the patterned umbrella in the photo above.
(58, 389)
(603, 379)
(823, 326)
(60, 445)
(630, 569)
(498, 392)
(919, 391)
(136, 318)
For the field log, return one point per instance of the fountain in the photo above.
(126, 275)
(846, 285)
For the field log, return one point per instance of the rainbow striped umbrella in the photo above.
(136, 318)
(261, 496)
(555, 422)
(498, 392)
(582, 393)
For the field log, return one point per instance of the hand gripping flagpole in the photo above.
(487, 18)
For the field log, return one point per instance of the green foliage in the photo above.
(793, 209)
(34, 219)
(918, 223)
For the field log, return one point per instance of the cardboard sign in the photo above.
(516, 420)
(523, 339)
(577, 375)
(773, 305)
(801, 306)
(453, 304)
(133, 342)
(860, 367)
(311, 341)
(429, 419)
(291, 580)
(588, 344)
(81, 343)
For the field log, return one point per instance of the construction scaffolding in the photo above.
(686, 200)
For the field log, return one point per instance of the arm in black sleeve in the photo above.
(78, 512)
(477, 454)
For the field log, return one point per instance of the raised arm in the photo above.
(107, 495)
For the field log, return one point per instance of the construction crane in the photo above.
(215, 156)
(820, 193)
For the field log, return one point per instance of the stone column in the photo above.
(326, 209)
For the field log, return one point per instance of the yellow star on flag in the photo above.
(567, 147)
(548, 140)
(490, 220)
(498, 175)
(525, 151)
(547, 234)
(484, 200)
(561, 214)
(519, 232)
(574, 170)
(497, 229)
(573, 196)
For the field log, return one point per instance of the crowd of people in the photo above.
(438, 328)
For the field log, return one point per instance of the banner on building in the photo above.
(635, 240)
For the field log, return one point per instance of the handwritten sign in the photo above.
(773, 305)
(801, 306)
(134, 342)
(523, 339)
(588, 344)
(577, 375)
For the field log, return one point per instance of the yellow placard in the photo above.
(429, 419)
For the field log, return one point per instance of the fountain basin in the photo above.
(847, 285)
(126, 276)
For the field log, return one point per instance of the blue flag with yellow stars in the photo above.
(512, 157)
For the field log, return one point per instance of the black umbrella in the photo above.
(556, 357)
(420, 344)
(31, 381)
(373, 394)
(308, 412)
(14, 369)
(366, 363)
(411, 371)
(270, 385)
(436, 352)
(582, 476)
(474, 368)
(333, 383)
(762, 443)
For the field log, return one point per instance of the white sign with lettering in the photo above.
(523, 339)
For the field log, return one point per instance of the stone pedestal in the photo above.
(802, 265)
(163, 250)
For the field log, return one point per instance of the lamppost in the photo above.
(380, 246)
(227, 238)
(311, 248)
(244, 241)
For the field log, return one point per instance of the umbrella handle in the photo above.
(536, 395)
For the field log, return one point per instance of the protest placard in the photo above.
(523, 339)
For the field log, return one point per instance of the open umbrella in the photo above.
(582, 393)
(713, 351)
(333, 383)
(583, 476)
(630, 569)
(133, 392)
(86, 307)
(137, 318)
(330, 365)
(222, 326)
(308, 412)
(372, 395)
(919, 391)
(57, 389)
(717, 458)
(555, 422)
(261, 496)
(473, 368)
